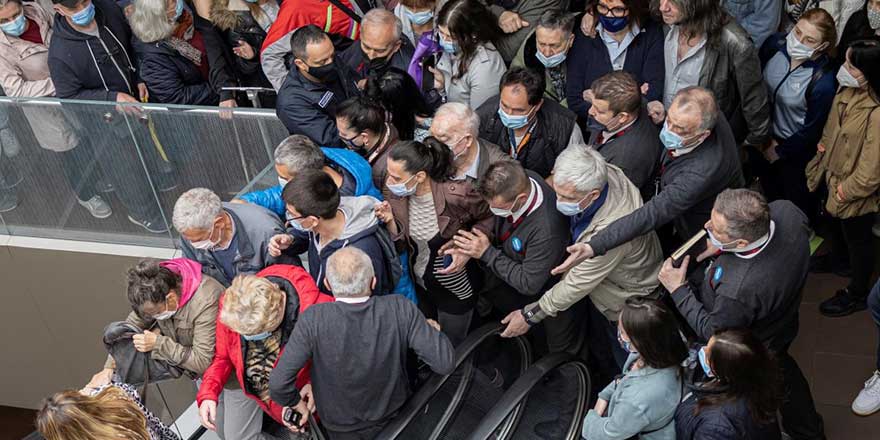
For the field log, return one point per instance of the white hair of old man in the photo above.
(350, 273)
(382, 17)
(196, 209)
(581, 166)
(149, 20)
(458, 116)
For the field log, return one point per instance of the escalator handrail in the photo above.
(518, 391)
(427, 391)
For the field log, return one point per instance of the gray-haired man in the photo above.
(546, 49)
(227, 239)
(372, 335)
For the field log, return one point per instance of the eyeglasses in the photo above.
(615, 12)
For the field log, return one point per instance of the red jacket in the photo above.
(228, 356)
(295, 14)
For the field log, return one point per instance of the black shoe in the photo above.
(829, 264)
(842, 304)
(8, 201)
(156, 226)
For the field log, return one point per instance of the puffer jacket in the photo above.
(852, 153)
(732, 70)
(230, 355)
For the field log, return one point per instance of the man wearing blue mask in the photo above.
(530, 236)
(759, 256)
(594, 194)
(546, 50)
(701, 161)
(529, 128)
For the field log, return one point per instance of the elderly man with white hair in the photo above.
(356, 398)
(227, 239)
(380, 47)
(594, 194)
(458, 126)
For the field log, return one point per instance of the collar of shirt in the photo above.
(472, 172)
(535, 192)
(755, 248)
(672, 38)
(615, 48)
(606, 135)
(358, 300)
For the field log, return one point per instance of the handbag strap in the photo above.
(348, 11)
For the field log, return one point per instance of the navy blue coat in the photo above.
(309, 108)
(173, 79)
(588, 60)
(84, 66)
(730, 420)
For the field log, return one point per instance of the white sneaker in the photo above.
(868, 400)
(97, 207)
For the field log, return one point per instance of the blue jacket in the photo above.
(352, 162)
(84, 67)
(818, 94)
(588, 60)
(760, 18)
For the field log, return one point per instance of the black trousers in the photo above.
(799, 416)
(856, 240)
(786, 180)
(368, 433)
(81, 170)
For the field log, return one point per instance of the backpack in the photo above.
(397, 267)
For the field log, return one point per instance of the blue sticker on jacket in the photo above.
(517, 244)
(718, 273)
(325, 99)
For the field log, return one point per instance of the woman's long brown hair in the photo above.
(111, 414)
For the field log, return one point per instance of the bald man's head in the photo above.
(696, 102)
(350, 273)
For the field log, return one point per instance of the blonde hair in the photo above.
(252, 305)
(111, 414)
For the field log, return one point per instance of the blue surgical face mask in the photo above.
(613, 24)
(16, 27)
(673, 141)
(418, 18)
(178, 9)
(701, 354)
(570, 209)
(551, 61)
(400, 189)
(448, 46)
(724, 247)
(627, 345)
(84, 17)
(514, 122)
(296, 224)
(257, 337)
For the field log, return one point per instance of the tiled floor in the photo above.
(836, 354)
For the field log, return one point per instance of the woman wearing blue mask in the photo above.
(642, 402)
(799, 76)
(739, 396)
(626, 38)
(423, 211)
(470, 67)
(417, 18)
(257, 315)
(177, 54)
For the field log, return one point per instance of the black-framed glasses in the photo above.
(614, 12)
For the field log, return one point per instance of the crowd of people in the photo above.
(538, 163)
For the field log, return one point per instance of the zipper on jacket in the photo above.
(112, 59)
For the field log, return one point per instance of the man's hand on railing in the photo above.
(208, 414)
(125, 98)
(226, 114)
(143, 93)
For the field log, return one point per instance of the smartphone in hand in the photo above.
(291, 417)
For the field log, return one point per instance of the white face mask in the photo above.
(165, 315)
(207, 244)
(846, 79)
(282, 181)
(796, 49)
(873, 19)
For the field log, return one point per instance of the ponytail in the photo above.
(433, 157)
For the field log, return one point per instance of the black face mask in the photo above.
(377, 65)
(326, 73)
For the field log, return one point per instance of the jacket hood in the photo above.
(191, 277)
(360, 219)
(222, 17)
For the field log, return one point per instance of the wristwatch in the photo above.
(529, 316)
